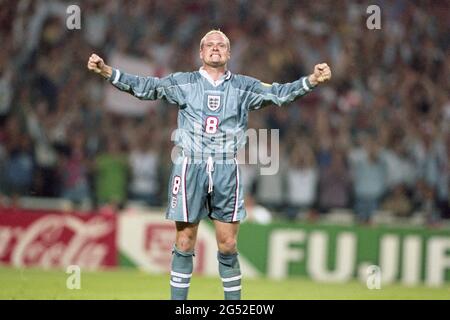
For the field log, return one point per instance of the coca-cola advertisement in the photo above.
(56, 239)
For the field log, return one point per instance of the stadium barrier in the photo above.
(143, 239)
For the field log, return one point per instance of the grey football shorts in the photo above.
(205, 188)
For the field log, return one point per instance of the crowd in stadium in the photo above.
(374, 138)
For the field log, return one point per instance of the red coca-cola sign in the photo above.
(54, 239)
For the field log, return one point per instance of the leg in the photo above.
(229, 269)
(182, 264)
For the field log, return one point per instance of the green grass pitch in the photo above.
(134, 284)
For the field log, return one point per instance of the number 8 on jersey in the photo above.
(211, 124)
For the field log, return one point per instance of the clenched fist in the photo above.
(322, 73)
(97, 65)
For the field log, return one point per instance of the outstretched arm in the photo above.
(145, 88)
(261, 94)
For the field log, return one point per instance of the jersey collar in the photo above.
(205, 74)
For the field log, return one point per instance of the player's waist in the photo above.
(204, 156)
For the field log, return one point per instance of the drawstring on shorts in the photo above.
(209, 170)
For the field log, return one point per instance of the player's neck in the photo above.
(215, 72)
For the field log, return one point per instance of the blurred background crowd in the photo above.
(376, 138)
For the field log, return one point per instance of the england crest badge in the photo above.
(213, 102)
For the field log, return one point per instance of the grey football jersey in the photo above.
(212, 119)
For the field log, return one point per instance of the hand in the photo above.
(322, 73)
(97, 65)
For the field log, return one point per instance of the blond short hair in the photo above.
(212, 32)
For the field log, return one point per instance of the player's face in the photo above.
(215, 52)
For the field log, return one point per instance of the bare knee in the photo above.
(186, 237)
(227, 245)
(185, 242)
(226, 236)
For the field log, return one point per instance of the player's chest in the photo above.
(220, 101)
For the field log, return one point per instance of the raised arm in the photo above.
(145, 88)
(261, 94)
